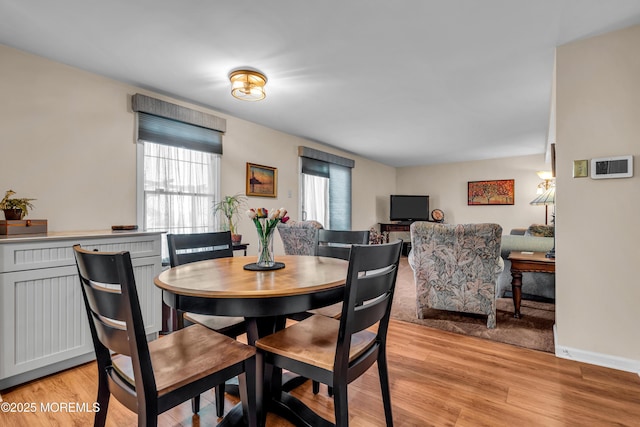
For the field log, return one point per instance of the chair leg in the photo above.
(148, 413)
(219, 392)
(341, 407)
(263, 388)
(103, 401)
(249, 394)
(491, 320)
(384, 386)
(316, 388)
(195, 404)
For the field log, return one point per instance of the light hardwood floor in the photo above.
(437, 379)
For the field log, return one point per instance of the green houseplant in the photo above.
(229, 207)
(15, 208)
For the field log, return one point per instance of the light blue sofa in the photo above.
(533, 284)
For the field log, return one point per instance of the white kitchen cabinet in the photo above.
(43, 322)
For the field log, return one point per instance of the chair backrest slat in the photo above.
(341, 252)
(186, 248)
(107, 302)
(337, 243)
(374, 284)
(370, 313)
(108, 311)
(111, 336)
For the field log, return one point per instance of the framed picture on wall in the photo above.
(496, 192)
(262, 181)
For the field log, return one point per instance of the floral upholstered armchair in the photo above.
(299, 237)
(456, 267)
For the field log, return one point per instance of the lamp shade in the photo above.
(546, 175)
(247, 85)
(546, 198)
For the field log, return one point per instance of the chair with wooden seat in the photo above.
(337, 351)
(186, 248)
(152, 377)
(334, 244)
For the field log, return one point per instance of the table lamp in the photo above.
(548, 198)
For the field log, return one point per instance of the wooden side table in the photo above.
(241, 247)
(527, 262)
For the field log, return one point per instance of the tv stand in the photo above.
(400, 226)
(391, 227)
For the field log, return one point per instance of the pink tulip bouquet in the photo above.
(266, 222)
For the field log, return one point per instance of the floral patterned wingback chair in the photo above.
(299, 237)
(456, 267)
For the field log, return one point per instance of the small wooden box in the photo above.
(22, 226)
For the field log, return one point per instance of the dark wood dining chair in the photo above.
(186, 248)
(152, 377)
(335, 244)
(337, 351)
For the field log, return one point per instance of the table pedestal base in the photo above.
(287, 407)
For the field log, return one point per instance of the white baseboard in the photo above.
(605, 360)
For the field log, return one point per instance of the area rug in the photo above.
(533, 330)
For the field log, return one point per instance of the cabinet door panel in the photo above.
(44, 319)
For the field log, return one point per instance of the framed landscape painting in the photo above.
(497, 192)
(262, 181)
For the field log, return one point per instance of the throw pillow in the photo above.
(540, 230)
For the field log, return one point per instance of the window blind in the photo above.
(178, 134)
(170, 124)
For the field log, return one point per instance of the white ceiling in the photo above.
(403, 82)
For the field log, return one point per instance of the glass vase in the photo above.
(265, 251)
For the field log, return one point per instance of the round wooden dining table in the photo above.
(223, 287)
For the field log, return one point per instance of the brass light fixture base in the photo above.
(248, 85)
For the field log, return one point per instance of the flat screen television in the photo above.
(409, 208)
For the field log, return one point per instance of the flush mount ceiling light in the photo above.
(247, 85)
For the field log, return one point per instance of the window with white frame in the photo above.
(325, 188)
(179, 187)
(178, 168)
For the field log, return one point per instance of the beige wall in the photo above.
(446, 185)
(598, 115)
(68, 140)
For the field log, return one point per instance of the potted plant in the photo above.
(230, 207)
(15, 208)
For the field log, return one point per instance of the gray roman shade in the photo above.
(314, 154)
(170, 124)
